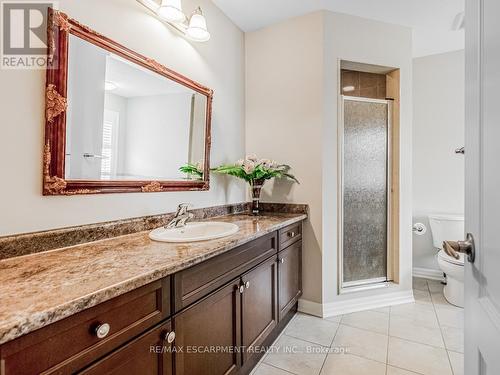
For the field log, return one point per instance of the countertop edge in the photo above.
(23, 325)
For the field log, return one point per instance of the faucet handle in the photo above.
(182, 208)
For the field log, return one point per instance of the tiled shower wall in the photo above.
(361, 84)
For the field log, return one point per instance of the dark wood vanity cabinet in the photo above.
(214, 318)
(229, 324)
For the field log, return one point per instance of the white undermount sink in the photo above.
(196, 231)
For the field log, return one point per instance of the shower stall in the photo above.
(365, 181)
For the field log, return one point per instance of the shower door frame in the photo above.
(379, 282)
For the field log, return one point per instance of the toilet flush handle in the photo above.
(468, 247)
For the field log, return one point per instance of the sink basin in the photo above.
(197, 231)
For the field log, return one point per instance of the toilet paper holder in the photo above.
(419, 229)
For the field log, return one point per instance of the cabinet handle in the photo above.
(281, 260)
(292, 234)
(242, 289)
(247, 284)
(102, 330)
(169, 337)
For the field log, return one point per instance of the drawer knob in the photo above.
(292, 234)
(282, 260)
(102, 330)
(247, 284)
(169, 337)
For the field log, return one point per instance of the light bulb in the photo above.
(171, 10)
(197, 29)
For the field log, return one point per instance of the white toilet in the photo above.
(449, 228)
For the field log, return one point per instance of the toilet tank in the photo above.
(446, 228)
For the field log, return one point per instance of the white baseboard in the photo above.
(355, 304)
(311, 308)
(428, 273)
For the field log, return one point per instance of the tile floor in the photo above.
(425, 337)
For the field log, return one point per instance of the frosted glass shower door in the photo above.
(365, 181)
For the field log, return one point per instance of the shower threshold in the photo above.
(367, 284)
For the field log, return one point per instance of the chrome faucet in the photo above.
(182, 216)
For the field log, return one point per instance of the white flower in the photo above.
(248, 166)
(199, 165)
(252, 158)
(240, 162)
(266, 163)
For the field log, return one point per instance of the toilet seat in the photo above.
(445, 257)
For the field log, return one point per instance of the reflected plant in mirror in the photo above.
(256, 172)
(193, 171)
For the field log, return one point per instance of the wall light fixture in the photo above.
(170, 11)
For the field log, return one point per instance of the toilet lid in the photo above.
(442, 255)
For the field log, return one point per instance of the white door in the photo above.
(482, 207)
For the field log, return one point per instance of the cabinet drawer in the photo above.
(290, 235)
(148, 354)
(72, 343)
(198, 281)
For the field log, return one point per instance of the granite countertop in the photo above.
(42, 288)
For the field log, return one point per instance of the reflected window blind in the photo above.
(107, 149)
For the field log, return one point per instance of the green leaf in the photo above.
(259, 173)
(192, 170)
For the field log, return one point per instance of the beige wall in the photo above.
(284, 78)
(366, 41)
(438, 129)
(218, 64)
(291, 114)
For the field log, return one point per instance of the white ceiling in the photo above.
(134, 81)
(431, 20)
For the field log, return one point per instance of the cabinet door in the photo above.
(150, 354)
(289, 277)
(208, 334)
(259, 306)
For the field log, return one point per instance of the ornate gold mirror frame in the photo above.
(60, 26)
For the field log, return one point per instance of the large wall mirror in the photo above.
(117, 121)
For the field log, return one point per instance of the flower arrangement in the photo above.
(256, 171)
(252, 169)
(191, 169)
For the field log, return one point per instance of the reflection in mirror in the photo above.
(126, 122)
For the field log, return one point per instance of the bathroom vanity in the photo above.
(128, 305)
(105, 298)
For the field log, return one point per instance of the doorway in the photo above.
(368, 180)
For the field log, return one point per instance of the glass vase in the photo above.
(256, 186)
